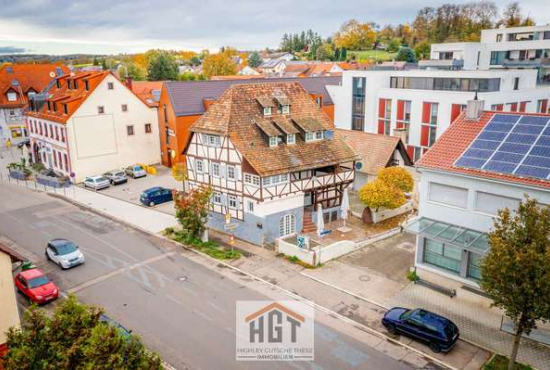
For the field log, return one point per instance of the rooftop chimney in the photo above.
(474, 109)
(129, 82)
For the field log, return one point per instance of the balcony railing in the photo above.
(441, 63)
(531, 62)
(324, 180)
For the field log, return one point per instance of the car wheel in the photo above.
(47, 256)
(111, 182)
(435, 347)
(151, 204)
(392, 329)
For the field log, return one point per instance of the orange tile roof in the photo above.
(25, 77)
(237, 77)
(376, 150)
(457, 139)
(144, 90)
(72, 97)
(235, 115)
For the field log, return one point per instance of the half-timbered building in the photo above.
(270, 155)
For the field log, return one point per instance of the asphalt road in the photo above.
(181, 309)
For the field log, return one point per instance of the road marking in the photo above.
(215, 306)
(174, 300)
(111, 274)
(203, 315)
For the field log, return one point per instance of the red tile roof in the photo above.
(144, 90)
(24, 77)
(454, 142)
(73, 97)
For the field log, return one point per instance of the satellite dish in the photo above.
(358, 166)
(52, 74)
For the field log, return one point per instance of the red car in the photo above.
(36, 286)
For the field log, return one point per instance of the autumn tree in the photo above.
(516, 271)
(179, 171)
(324, 52)
(74, 338)
(219, 64)
(162, 67)
(254, 60)
(422, 50)
(354, 35)
(398, 177)
(192, 210)
(377, 193)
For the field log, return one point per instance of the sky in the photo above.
(131, 26)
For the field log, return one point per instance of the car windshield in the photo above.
(119, 174)
(138, 168)
(405, 315)
(101, 179)
(449, 330)
(65, 248)
(38, 281)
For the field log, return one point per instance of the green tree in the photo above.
(324, 52)
(96, 62)
(136, 72)
(192, 210)
(254, 60)
(162, 67)
(394, 44)
(516, 271)
(343, 54)
(104, 64)
(422, 50)
(406, 54)
(195, 61)
(73, 338)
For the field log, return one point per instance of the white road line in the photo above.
(174, 299)
(215, 306)
(203, 315)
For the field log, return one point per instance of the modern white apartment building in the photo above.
(90, 123)
(478, 167)
(517, 47)
(419, 105)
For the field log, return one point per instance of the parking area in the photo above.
(131, 190)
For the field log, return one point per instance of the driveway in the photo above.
(131, 190)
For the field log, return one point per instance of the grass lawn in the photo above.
(378, 55)
(501, 363)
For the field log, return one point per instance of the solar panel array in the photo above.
(513, 145)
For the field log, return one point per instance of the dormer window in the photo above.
(314, 136)
(49, 105)
(309, 136)
(75, 85)
(65, 109)
(58, 84)
(285, 109)
(273, 141)
(267, 111)
(12, 96)
(291, 139)
(318, 135)
(86, 85)
(69, 84)
(55, 107)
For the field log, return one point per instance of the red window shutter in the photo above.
(381, 108)
(381, 126)
(400, 110)
(455, 112)
(523, 106)
(514, 107)
(410, 151)
(544, 106)
(399, 125)
(424, 135)
(500, 107)
(426, 108)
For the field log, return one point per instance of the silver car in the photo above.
(116, 177)
(96, 182)
(135, 171)
(64, 253)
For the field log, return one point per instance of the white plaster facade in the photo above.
(378, 86)
(97, 142)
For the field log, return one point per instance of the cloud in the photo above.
(136, 25)
(11, 50)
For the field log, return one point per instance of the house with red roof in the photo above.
(89, 123)
(19, 82)
(485, 161)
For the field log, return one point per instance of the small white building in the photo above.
(478, 166)
(90, 123)
(423, 103)
(516, 47)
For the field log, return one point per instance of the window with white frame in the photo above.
(446, 194)
(250, 206)
(267, 111)
(286, 109)
(318, 135)
(110, 85)
(290, 139)
(12, 96)
(309, 136)
(212, 140)
(216, 172)
(273, 141)
(251, 179)
(275, 180)
(199, 166)
(231, 173)
(232, 201)
(287, 225)
(217, 198)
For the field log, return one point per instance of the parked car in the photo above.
(116, 177)
(136, 171)
(36, 286)
(156, 195)
(121, 329)
(26, 142)
(64, 253)
(96, 182)
(437, 331)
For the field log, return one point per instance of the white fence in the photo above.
(320, 254)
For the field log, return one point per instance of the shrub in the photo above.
(38, 167)
(377, 193)
(398, 177)
(192, 210)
